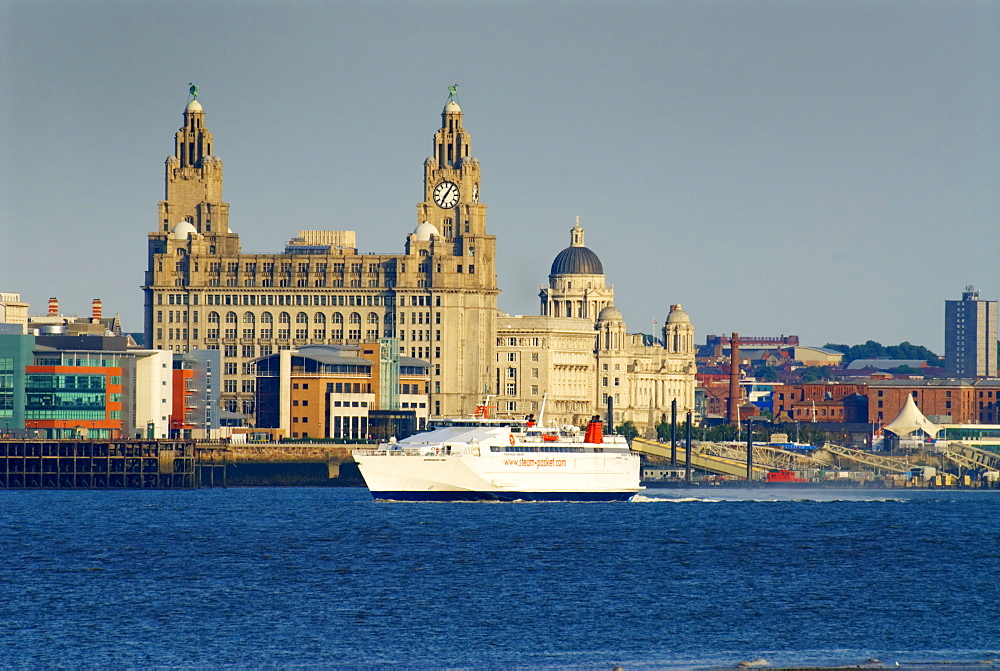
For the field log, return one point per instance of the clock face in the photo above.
(446, 195)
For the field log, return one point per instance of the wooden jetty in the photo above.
(97, 464)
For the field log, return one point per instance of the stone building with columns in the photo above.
(577, 353)
(437, 298)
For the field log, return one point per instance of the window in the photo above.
(511, 356)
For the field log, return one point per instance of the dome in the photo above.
(610, 313)
(677, 315)
(194, 106)
(182, 230)
(577, 260)
(452, 107)
(424, 231)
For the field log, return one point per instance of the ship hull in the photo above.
(521, 478)
(504, 496)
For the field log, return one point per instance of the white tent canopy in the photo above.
(910, 419)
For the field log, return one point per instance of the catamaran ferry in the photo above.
(483, 459)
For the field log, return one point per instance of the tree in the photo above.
(876, 350)
(817, 373)
(663, 431)
(628, 430)
(766, 374)
(905, 370)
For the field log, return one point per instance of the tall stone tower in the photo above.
(193, 222)
(194, 179)
(456, 265)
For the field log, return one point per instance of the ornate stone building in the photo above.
(437, 298)
(577, 354)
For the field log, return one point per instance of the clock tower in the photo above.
(451, 181)
(453, 271)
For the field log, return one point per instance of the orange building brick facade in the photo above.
(941, 401)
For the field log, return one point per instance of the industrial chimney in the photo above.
(53, 307)
(95, 310)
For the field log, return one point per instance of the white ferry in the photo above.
(483, 459)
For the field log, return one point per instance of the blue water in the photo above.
(320, 578)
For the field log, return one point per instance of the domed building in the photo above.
(577, 355)
(576, 286)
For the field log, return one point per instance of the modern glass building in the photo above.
(64, 387)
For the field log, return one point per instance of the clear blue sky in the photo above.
(828, 169)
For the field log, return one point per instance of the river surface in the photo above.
(327, 578)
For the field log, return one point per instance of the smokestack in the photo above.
(95, 310)
(53, 306)
(734, 379)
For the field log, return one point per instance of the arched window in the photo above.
(284, 318)
(355, 318)
(372, 318)
(338, 318)
(319, 318)
(230, 317)
(302, 318)
(248, 325)
(213, 317)
(266, 318)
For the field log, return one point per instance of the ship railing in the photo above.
(398, 452)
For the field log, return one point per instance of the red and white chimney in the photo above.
(53, 307)
(95, 310)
